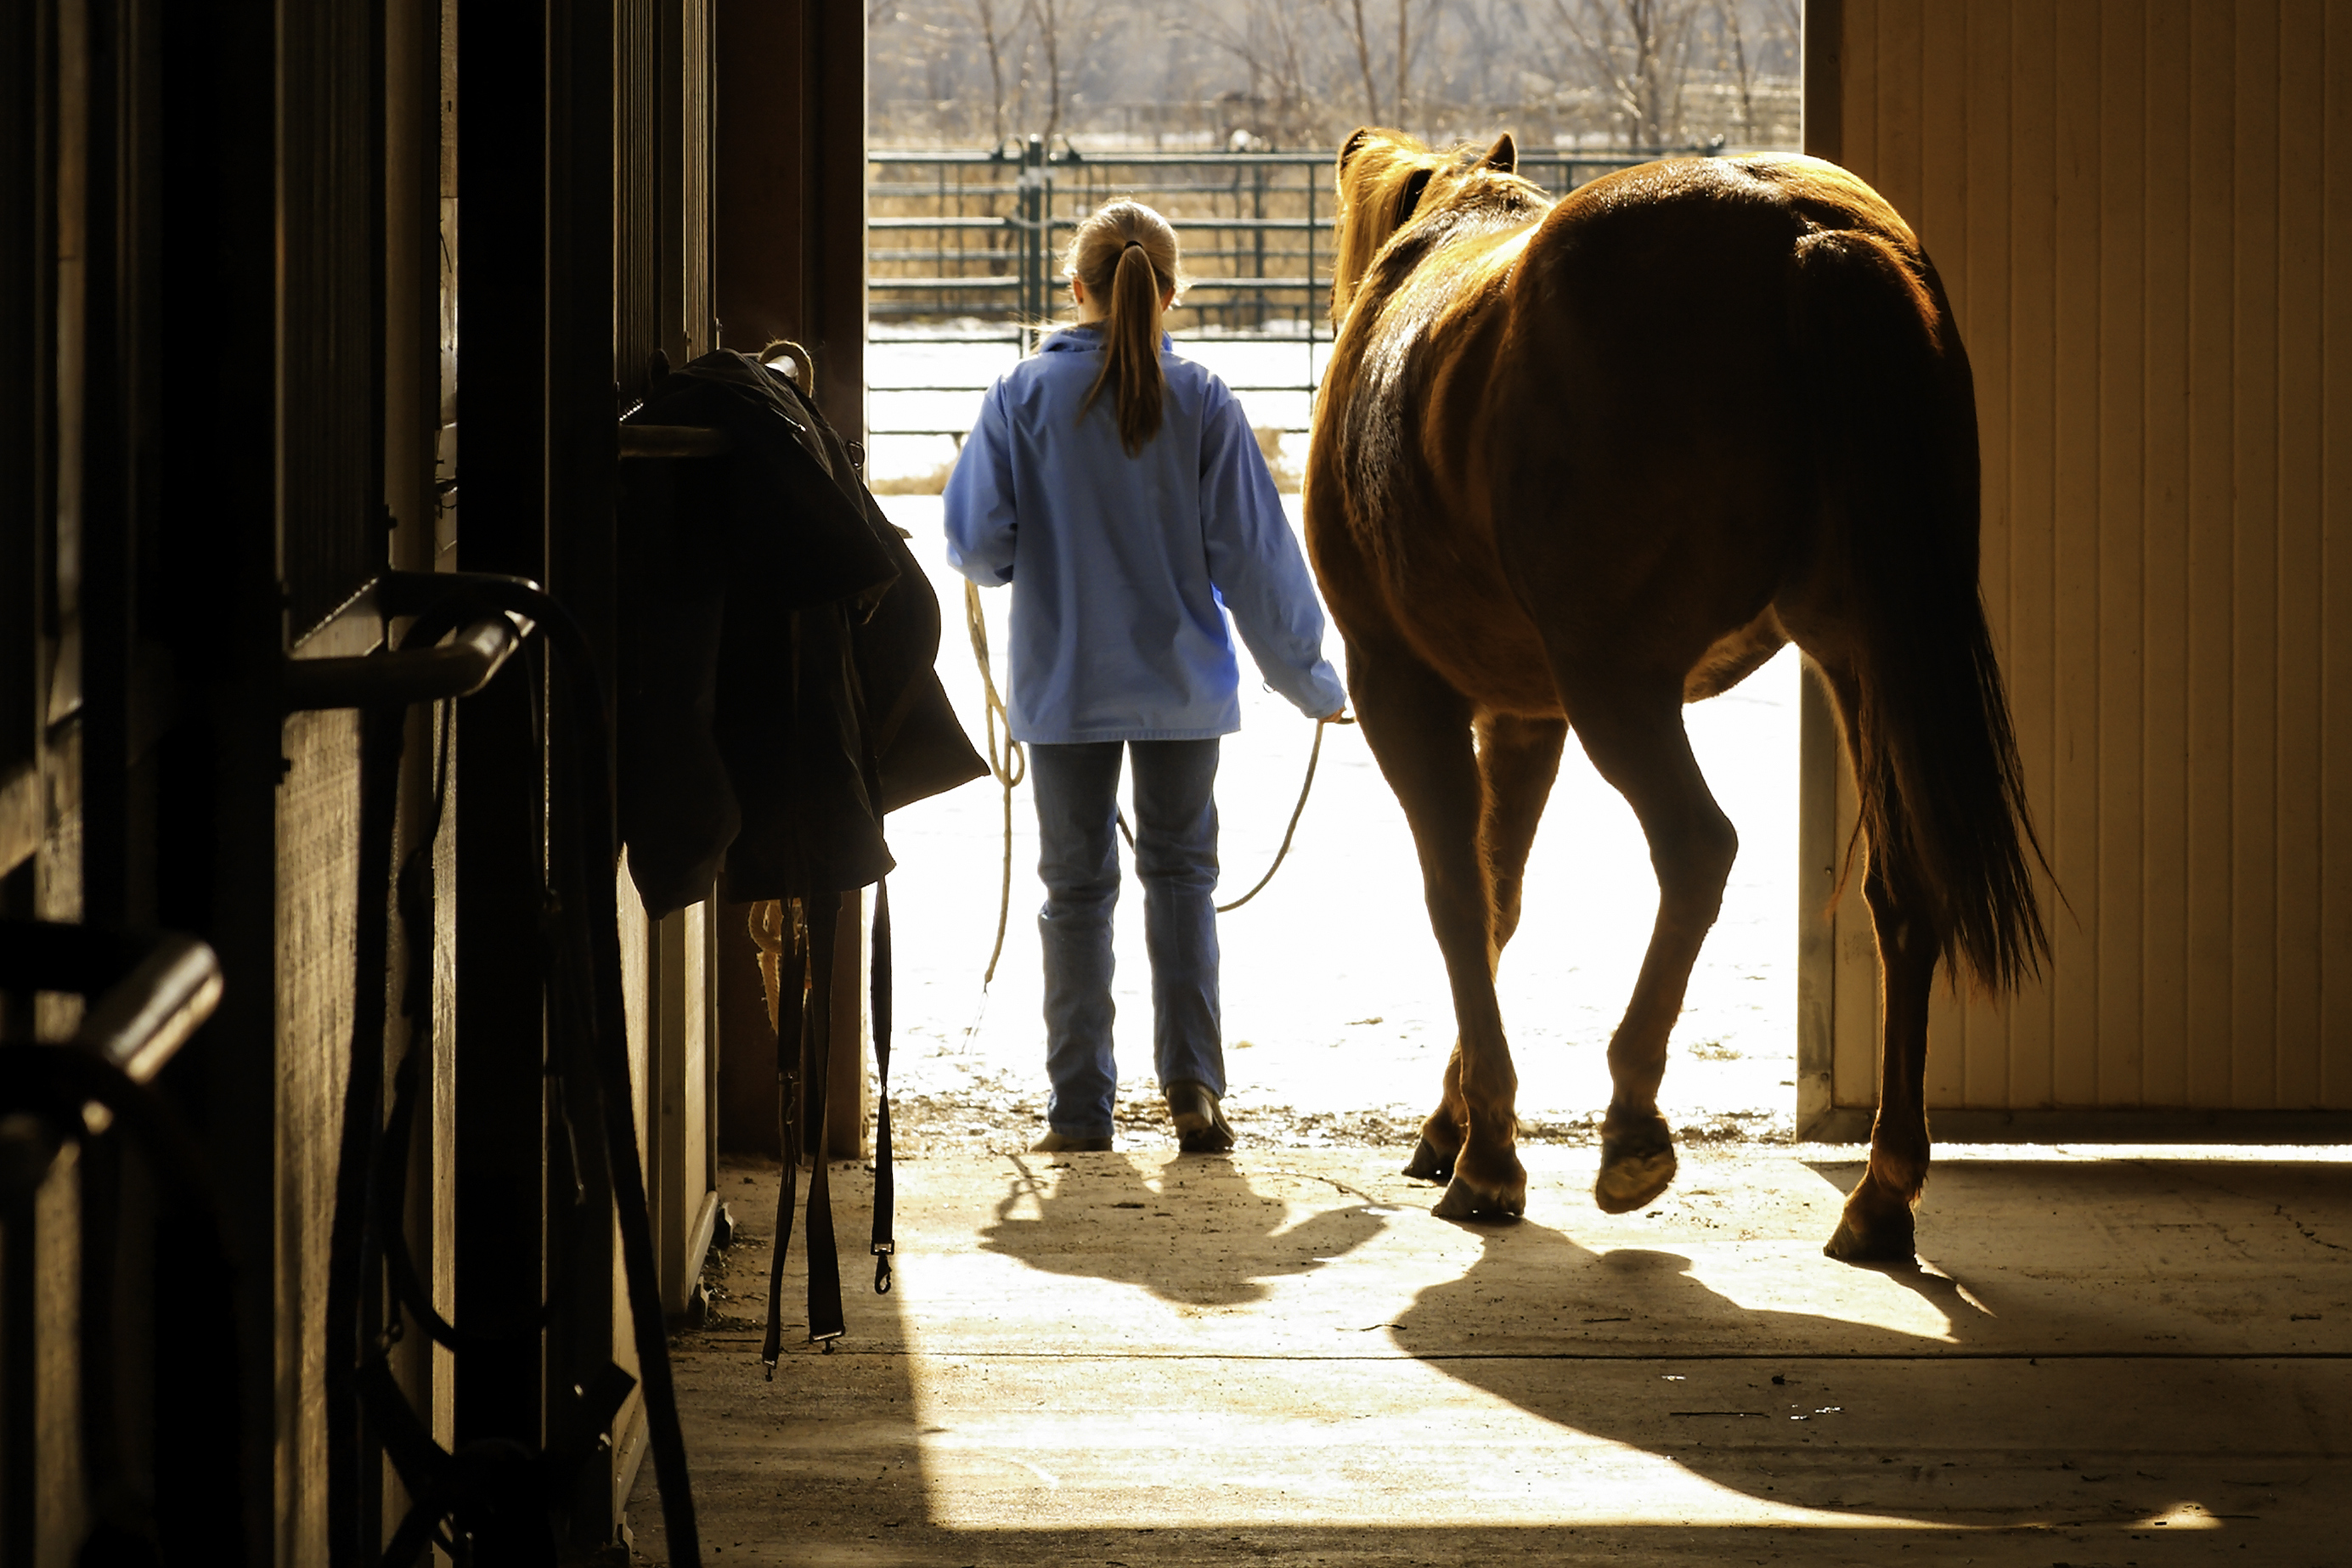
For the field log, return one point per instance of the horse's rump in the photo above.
(1506, 372)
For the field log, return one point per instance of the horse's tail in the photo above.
(1934, 755)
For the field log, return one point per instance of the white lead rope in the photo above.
(1011, 766)
(1313, 755)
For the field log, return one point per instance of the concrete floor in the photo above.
(1137, 1358)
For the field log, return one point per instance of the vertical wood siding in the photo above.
(317, 911)
(2143, 213)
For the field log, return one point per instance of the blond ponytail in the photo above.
(1126, 255)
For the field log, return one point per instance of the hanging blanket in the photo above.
(777, 695)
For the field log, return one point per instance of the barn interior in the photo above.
(393, 1126)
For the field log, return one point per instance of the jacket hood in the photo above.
(1086, 339)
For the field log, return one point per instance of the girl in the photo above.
(1120, 487)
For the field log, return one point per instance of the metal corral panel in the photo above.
(2143, 213)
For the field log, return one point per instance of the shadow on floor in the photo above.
(1103, 1220)
(2068, 1363)
(2095, 1346)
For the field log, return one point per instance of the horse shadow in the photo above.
(1203, 1237)
(1968, 1402)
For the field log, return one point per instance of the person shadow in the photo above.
(1190, 1230)
(1942, 1400)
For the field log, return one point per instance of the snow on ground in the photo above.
(1337, 1017)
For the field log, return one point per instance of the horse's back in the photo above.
(1768, 198)
(1686, 261)
(1601, 423)
(1647, 424)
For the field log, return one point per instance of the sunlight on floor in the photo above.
(1461, 1457)
(1151, 1359)
(1226, 1414)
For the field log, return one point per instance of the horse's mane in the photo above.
(1382, 178)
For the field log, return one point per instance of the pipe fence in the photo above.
(964, 246)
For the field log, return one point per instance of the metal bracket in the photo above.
(480, 646)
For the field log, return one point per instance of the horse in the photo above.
(1576, 464)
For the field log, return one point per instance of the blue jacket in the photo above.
(1122, 566)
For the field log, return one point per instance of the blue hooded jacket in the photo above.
(1122, 567)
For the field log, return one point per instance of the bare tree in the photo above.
(1638, 72)
(1403, 59)
(1638, 50)
(996, 32)
(1480, 55)
(1726, 22)
(1421, 34)
(1062, 27)
(1357, 30)
(1269, 37)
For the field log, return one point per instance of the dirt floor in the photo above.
(1141, 1358)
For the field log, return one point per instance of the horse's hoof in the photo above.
(1628, 1181)
(1874, 1236)
(1637, 1163)
(1463, 1201)
(1427, 1164)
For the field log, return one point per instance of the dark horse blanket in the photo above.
(777, 695)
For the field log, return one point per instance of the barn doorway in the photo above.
(1338, 1020)
(1132, 1356)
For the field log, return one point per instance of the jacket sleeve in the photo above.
(1255, 564)
(979, 498)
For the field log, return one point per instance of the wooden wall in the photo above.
(788, 188)
(2142, 213)
(787, 241)
(179, 523)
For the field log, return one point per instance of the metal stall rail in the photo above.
(144, 994)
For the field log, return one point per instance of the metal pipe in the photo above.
(459, 667)
(141, 1022)
(476, 651)
(149, 990)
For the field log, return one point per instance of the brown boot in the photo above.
(1200, 1126)
(1059, 1144)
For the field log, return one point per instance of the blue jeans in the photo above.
(1176, 855)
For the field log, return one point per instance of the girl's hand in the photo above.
(1338, 715)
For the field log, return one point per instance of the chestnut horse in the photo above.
(1576, 464)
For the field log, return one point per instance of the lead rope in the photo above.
(1011, 766)
(1313, 755)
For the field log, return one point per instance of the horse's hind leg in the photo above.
(1418, 729)
(1517, 760)
(1877, 1225)
(1632, 727)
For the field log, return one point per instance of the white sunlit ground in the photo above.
(1336, 1010)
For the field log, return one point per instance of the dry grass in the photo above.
(928, 484)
